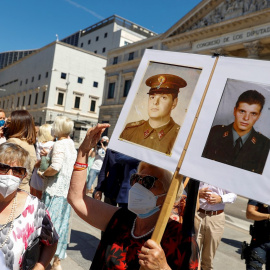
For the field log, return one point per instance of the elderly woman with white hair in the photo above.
(56, 182)
(126, 242)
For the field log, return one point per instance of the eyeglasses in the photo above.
(16, 171)
(146, 180)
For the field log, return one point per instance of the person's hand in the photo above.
(40, 174)
(43, 152)
(37, 165)
(205, 193)
(152, 256)
(92, 137)
(98, 195)
(214, 199)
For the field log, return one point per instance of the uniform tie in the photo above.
(237, 147)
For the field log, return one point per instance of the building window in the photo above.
(77, 102)
(97, 38)
(60, 99)
(36, 98)
(23, 102)
(63, 75)
(105, 35)
(21, 83)
(111, 90)
(29, 100)
(47, 74)
(89, 41)
(95, 51)
(131, 56)
(115, 60)
(26, 81)
(18, 102)
(4, 104)
(81, 44)
(80, 80)
(39, 76)
(126, 43)
(126, 87)
(93, 105)
(33, 78)
(43, 97)
(104, 50)
(95, 84)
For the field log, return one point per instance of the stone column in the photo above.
(253, 49)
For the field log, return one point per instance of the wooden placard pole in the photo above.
(177, 178)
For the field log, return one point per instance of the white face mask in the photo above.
(8, 184)
(142, 201)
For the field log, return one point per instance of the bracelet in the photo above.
(81, 165)
(75, 168)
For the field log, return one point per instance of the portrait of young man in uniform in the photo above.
(239, 144)
(159, 132)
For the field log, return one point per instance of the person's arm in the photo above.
(94, 212)
(58, 158)
(47, 253)
(252, 213)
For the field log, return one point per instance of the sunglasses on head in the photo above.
(16, 171)
(146, 181)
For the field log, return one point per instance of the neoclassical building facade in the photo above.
(239, 28)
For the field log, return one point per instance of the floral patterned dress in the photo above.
(119, 250)
(33, 222)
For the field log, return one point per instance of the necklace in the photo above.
(10, 218)
(141, 236)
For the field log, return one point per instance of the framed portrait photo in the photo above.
(161, 105)
(230, 145)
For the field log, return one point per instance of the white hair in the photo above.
(62, 125)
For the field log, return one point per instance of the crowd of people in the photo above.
(42, 176)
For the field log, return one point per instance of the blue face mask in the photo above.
(142, 201)
(2, 122)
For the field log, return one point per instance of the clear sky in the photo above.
(32, 24)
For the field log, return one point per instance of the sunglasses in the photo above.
(16, 171)
(146, 181)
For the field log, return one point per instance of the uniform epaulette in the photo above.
(135, 124)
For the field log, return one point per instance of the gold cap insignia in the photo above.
(161, 80)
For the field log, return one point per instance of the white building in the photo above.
(58, 79)
(108, 34)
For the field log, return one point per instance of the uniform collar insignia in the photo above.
(161, 134)
(146, 133)
(225, 134)
(254, 140)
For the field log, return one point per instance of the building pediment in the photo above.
(210, 12)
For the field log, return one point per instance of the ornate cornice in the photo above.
(246, 21)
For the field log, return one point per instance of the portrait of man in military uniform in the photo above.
(239, 144)
(160, 131)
